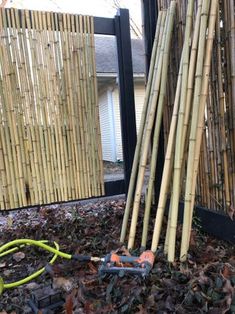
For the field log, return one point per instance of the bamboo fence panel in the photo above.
(50, 143)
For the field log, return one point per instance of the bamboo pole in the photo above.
(199, 129)
(167, 167)
(131, 187)
(232, 64)
(187, 109)
(221, 113)
(179, 146)
(143, 160)
(158, 123)
(97, 127)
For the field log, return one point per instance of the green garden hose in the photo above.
(15, 245)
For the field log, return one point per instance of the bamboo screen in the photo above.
(216, 174)
(50, 145)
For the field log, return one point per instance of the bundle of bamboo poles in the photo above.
(185, 121)
(215, 185)
(50, 145)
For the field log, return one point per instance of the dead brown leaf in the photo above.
(93, 269)
(226, 272)
(141, 310)
(69, 304)
(231, 212)
(228, 288)
(18, 256)
(62, 283)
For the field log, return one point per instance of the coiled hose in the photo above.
(15, 245)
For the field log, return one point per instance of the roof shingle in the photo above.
(106, 55)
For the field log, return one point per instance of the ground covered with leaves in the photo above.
(205, 284)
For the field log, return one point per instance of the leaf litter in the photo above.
(205, 284)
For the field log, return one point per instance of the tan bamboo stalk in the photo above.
(5, 136)
(33, 179)
(87, 106)
(218, 161)
(11, 117)
(179, 146)
(221, 113)
(191, 73)
(60, 118)
(131, 187)
(13, 81)
(45, 111)
(97, 127)
(212, 147)
(47, 108)
(81, 108)
(66, 105)
(95, 110)
(28, 104)
(71, 135)
(190, 85)
(53, 105)
(34, 128)
(3, 167)
(200, 124)
(197, 89)
(147, 135)
(232, 64)
(91, 106)
(167, 167)
(64, 108)
(85, 99)
(158, 122)
(18, 82)
(228, 92)
(77, 108)
(2, 178)
(206, 170)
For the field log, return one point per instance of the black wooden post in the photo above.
(149, 15)
(126, 91)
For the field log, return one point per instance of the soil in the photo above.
(204, 284)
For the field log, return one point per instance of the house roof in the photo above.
(106, 55)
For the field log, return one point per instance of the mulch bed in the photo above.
(205, 284)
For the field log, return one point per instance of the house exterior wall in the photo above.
(139, 90)
(107, 125)
(111, 134)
